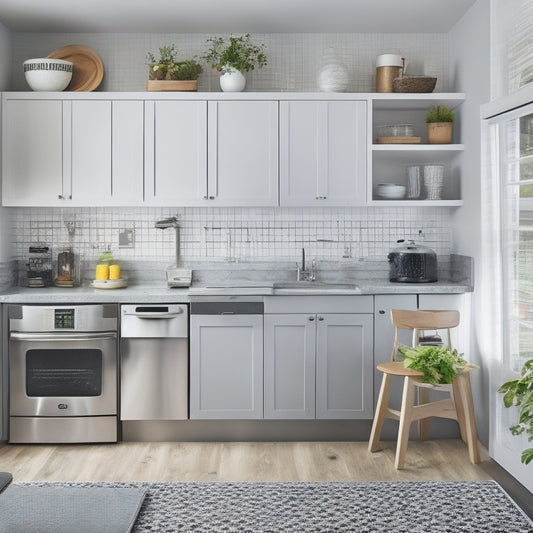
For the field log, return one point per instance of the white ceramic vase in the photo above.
(232, 80)
(333, 75)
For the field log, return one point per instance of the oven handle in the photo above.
(15, 335)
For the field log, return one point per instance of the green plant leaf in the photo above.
(519, 393)
(527, 456)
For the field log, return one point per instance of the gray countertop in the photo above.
(148, 293)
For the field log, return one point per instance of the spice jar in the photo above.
(388, 67)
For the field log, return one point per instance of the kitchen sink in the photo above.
(315, 285)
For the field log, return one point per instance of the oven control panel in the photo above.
(63, 318)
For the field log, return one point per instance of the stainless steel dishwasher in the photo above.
(154, 355)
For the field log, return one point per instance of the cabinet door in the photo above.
(383, 340)
(344, 348)
(226, 366)
(91, 152)
(243, 153)
(289, 366)
(32, 133)
(127, 152)
(176, 153)
(322, 153)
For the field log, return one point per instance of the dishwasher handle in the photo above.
(145, 314)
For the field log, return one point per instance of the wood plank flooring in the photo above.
(239, 461)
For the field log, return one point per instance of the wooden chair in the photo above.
(458, 407)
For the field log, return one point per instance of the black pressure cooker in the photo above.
(412, 263)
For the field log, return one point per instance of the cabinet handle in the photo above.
(381, 311)
(320, 318)
(206, 197)
(311, 318)
(60, 196)
(211, 197)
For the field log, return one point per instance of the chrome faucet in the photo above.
(303, 274)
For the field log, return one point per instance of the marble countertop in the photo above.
(148, 293)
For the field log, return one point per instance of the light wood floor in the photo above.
(239, 461)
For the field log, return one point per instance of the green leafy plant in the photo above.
(439, 364)
(519, 392)
(237, 52)
(167, 68)
(439, 113)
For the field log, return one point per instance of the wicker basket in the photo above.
(414, 84)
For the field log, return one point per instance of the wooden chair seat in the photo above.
(458, 407)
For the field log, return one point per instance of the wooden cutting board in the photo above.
(88, 68)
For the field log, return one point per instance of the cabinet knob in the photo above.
(320, 318)
(381, 311)
(60, 196)
(206, 197)
(211, 197)
(311, 318)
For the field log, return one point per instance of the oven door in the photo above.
(63, 374)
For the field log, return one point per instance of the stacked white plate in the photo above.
(109, 284)
(390, 191)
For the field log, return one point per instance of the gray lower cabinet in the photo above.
(318, 366)
(226, 366)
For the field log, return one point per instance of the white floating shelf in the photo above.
(417, 203)
(418, 147)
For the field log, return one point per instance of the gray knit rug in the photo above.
(410, 507)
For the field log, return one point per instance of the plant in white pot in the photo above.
(440, 125)
(233, 56)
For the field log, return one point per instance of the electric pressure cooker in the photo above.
(412, 263)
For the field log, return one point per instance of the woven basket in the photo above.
(414, 84)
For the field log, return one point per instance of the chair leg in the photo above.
(423, 397)
(381, 411)
(408, 397)
(470, 421)
(459, 409)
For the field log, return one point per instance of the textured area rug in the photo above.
(55, 508)
(410, 507)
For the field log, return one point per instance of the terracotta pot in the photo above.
(440, 132)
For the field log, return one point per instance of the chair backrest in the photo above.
(419, 321)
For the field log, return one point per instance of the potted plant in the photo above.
(233, 56)
(439, 125)
(167, 74)
(439, 364)
(519, 392)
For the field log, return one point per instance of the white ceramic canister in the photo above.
(388, 67)
(333, 75)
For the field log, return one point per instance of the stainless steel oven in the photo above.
(63, 373)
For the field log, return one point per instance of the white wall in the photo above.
(470, 73)
(5, 77)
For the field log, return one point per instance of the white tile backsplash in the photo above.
(233, 234)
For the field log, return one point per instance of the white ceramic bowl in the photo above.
(45, 74)
(390, 191)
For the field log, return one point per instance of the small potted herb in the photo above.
(167, 74)
(233, 56)
(519, 393)
(440, 125)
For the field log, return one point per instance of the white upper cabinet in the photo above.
(106, 146)
(243, 153)
(323, 153)
(72, 153)
(176, 152)
(32, 170)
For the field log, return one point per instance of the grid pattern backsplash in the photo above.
(232, 234)
(293, 59)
